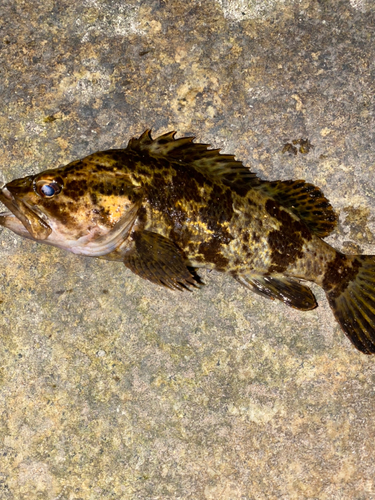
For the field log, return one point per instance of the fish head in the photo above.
(87, 207)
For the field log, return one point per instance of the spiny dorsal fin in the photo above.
(306, 201)
(207, 161)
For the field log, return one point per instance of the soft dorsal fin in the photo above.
(306, 201)
(207, 161)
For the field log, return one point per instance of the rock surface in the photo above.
(111, 388)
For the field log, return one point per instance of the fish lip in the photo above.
(5, 192)
(7, 214)
(35, 225)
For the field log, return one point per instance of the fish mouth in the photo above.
(37, 228)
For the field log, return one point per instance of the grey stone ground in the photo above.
(112, 388)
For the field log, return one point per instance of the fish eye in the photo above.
(47, 189)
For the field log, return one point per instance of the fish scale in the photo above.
(166, 207)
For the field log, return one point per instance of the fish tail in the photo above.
(349, 283)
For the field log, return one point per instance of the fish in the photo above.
(168, 206)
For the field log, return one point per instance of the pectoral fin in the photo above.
(289, 291)
(159, 260)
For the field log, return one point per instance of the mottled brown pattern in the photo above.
(212, 252)
(286, 243)
(75, 189)
(306, 201)
(340, 272)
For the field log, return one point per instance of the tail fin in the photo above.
(349, 283)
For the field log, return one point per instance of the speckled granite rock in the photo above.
(111, 388)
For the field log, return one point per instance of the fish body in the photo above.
(166, 207)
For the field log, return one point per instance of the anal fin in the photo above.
(289, 291)
(159, 260)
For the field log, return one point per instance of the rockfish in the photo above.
(166, 207)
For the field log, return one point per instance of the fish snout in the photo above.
(18, 187)
(38, 229)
